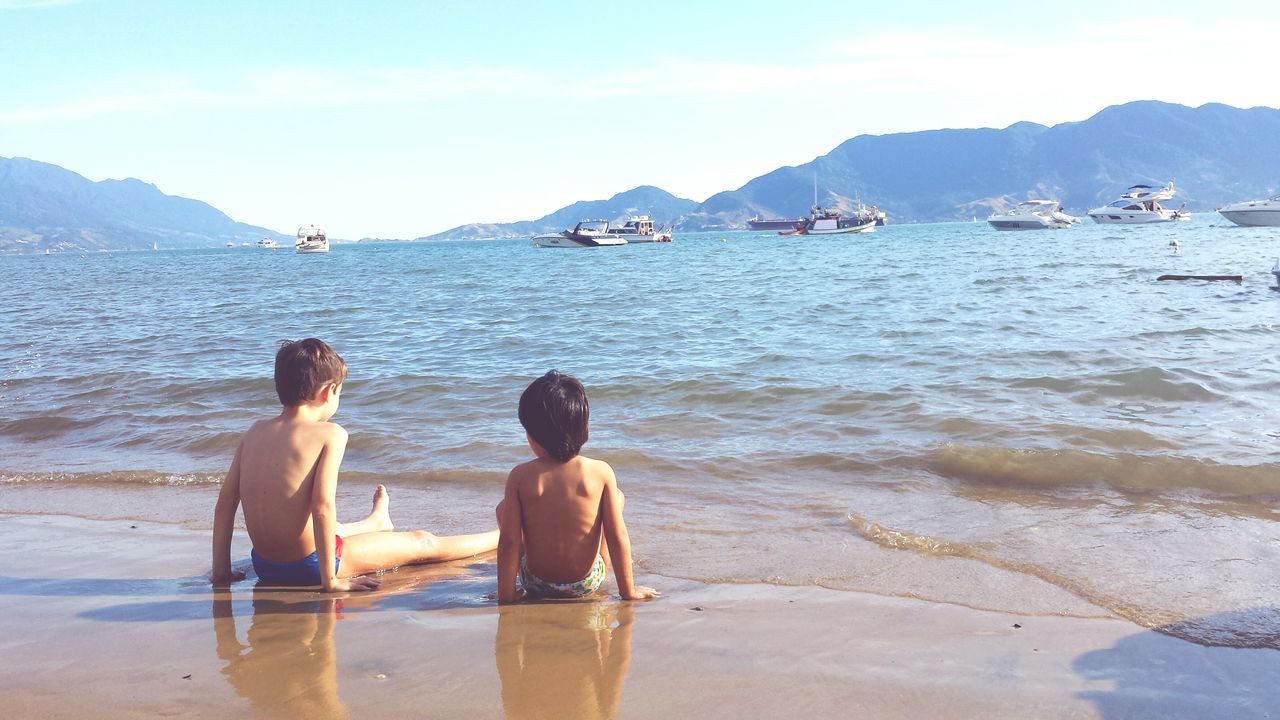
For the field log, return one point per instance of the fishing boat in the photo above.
(588, 233)
(829, 221)
(1140, 204)
(833, 222)
(311, 239)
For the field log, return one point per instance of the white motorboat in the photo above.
(1033, 215)
(1254, 213)
(639, 229)
(311, 239)
(1140, 204)
(588, 233)
(268, 243)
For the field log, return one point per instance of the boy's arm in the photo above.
(224, 521)
(510, 541)
(619, 542)
(324, 514)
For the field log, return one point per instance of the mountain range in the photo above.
(1215, 153)
(44, 206)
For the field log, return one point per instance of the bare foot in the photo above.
(381, 514)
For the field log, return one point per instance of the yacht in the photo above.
(1254, 213)
(639, 229)
(1033, 215)
(588, 233)
(268, 243)
(1140, 204)
(311, 239)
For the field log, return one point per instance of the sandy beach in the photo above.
(110, 619)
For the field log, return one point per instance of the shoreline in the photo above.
(112, 607)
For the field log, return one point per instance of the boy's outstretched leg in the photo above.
(379, 519)
(369, 552)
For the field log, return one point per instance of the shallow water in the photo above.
(905, 412)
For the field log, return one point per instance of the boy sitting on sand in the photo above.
(285, 473)
(559, 506)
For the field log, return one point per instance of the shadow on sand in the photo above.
(1228, 667)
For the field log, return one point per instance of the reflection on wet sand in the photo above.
(564, 659)
(288, 665)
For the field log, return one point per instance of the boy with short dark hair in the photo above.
(560, 508)
(285, 473)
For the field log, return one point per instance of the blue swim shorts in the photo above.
(299, 572)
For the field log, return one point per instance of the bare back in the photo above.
(561, 521)
(278, 462)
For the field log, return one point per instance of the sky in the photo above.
(396, 119)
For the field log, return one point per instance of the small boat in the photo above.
(639, 229)
(588, 233)
(1140, 204)
(1254, 213)
(1033, 215)
(268, 243)
(311, 239)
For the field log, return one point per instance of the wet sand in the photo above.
(112, 619)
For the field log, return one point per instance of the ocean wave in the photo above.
(1126, 472)
(114, 478)
(1148, 383)
(111, 478)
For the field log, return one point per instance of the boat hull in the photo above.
(772, 224)
(1253, 217)
(864, 227)
(1131, 217)
(562, 241)
(1023, 224)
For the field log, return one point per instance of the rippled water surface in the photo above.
(1017, 420)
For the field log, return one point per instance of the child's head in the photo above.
(304, 368)
(554, 411)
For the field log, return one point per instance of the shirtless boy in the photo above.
(560, 506)
(285, 473)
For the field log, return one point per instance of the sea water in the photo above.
(1024, 421)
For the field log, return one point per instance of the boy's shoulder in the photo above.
(596, 467)
(323, 430)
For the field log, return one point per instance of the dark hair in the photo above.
(305, 366)
(554, 411)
